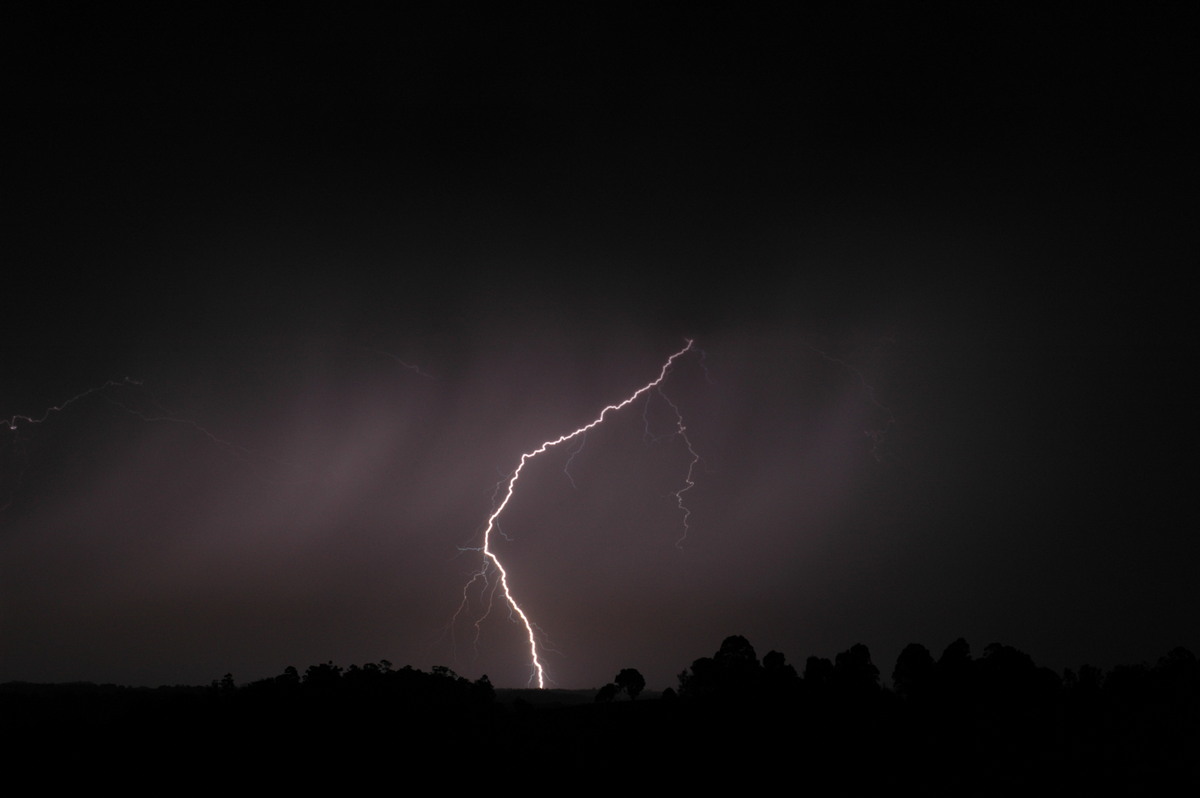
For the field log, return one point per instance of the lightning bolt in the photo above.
(16, 420)
(878, 436)
(105, 391)
(571, 459)
(688, 484)
(492, 562)
(410, 366)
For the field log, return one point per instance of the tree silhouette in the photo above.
(482, 690)
(607, 693)
(631, 682)
(914, 672)
(818, 672)
(737, 654)
(956, 659)
(853, 672)
(325, 676)
(289, 679)
(732, 673)
(779, 678)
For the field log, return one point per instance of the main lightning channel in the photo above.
(512, 482)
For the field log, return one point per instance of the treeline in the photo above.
(322, 688)
(329, 683)
(951, 724)
(954, 724)
(1002, 687)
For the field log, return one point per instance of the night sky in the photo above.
(327, 278)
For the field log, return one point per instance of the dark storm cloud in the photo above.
(926, 270)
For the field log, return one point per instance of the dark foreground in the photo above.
(997, 725)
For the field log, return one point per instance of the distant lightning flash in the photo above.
(878, 436)
(16, 422)
(410, 366)
(492, 561)
(688, 484)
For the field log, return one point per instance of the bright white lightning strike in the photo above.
(490, 557)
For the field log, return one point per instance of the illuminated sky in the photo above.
(358, 270)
